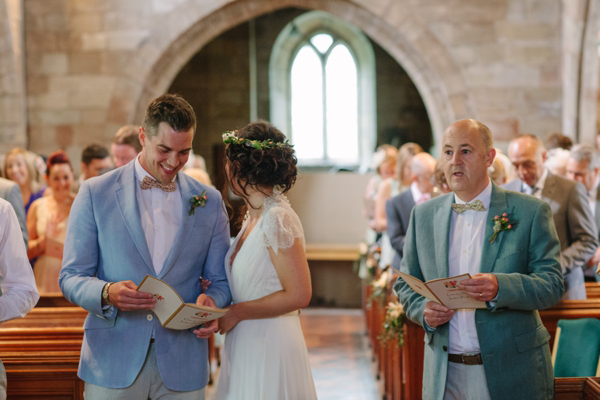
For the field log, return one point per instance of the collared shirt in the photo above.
(161, 216)
(417, 196)
(539, 185)
(19, 292)
(467, 233)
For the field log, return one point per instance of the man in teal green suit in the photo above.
(501, 351)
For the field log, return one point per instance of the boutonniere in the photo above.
(501, 223)
(198, 200)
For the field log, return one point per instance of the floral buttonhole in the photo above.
(501, 223)
(198, 200)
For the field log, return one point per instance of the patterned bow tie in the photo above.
(476, 205)
(148, 183)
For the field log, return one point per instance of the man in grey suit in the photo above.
(572, 215)
(10, 192)
(398, 208)
(583, 166)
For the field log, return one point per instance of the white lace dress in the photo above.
(264, 359)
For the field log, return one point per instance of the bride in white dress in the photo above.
(265, 355)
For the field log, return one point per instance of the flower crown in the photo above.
(231, 138)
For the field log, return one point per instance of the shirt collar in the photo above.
(485, 196)
(541, 182)
(416, 193)
(141, 173)
(593, 194)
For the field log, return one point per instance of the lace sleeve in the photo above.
(281, 226)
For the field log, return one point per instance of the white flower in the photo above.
(394, 309)
(363, 248)
(382, 281)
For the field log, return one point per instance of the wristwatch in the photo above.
(105, 293)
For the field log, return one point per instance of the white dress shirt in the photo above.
(593, 197)
(538, 187)
(19, 292)
(467, 233)
(161, 216)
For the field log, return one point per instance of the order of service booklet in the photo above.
(170, 309)
(444, 291)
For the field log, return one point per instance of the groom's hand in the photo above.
(482, 287)
(209, 327)
(436, 314)
(125, 297)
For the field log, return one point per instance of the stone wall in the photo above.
(92, 65)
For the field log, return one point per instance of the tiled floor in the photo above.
(339, 355)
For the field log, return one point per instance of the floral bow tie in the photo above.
(476, 205)
(148, 183)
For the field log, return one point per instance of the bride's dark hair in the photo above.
(264, 167)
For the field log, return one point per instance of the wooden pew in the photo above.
(593, 290)
(577, 388)
(41, 353)
(411, 354)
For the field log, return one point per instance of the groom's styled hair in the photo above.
(173, 110)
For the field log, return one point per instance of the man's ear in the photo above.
(142, 136)
(491, 154)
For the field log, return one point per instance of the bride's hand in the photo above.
(210, 327)
(228, 321)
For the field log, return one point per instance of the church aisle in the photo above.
(339, 356)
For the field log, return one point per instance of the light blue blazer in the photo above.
(525, 259)
(105, 243)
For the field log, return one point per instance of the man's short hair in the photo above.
(486, 135)
(93, 152)
(128, 134)
(554, 140)
(585, 152)
(173, 110)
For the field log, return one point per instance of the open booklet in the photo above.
(444, 291)
(170, 309)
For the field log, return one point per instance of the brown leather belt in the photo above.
(474, 359)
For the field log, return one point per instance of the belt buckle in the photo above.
(467, 358)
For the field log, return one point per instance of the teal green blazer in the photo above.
(525, 259)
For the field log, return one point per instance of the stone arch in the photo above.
(411, 43)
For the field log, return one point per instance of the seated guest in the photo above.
(126, 145)
(94, 160)
(557, 140)
(47, 223)
(399, 207)
(571, 211)
(556, 161)
(19, 167)
(583, 167)
(440, 179)
(17, 284)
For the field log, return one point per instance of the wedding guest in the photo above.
(268, 274)
(556, 161)
(94, 161)
(398, 208)
(138, 220)
(10, 192)
(510, 172)
(498, 351)
(583, 167)
(497, 172)
(570, 209)
(17, 284)
(47, 222)
(384, 164)
(19, 167)
(557, 140)
(440, 179)
(126, 145)
(389, 188)
(198, 174)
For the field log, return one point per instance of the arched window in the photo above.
(322, 88)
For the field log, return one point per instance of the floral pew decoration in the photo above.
(393, 324)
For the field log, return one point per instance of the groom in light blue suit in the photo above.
(500, 351)
(133, 221)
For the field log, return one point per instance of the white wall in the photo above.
(330, 206)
